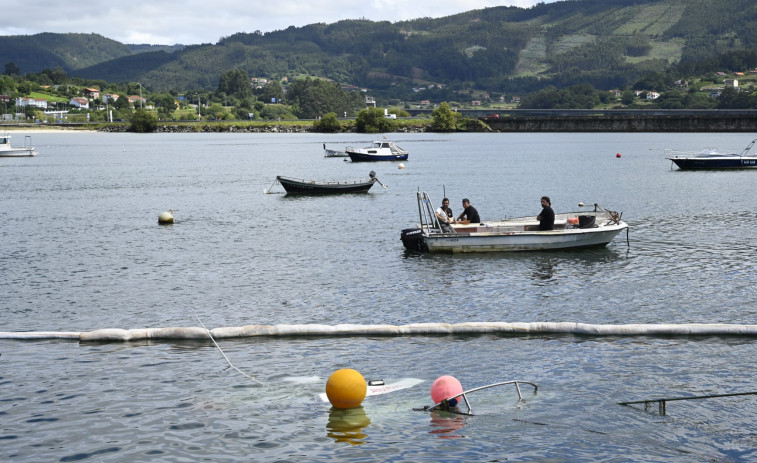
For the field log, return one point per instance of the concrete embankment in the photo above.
(634, 123)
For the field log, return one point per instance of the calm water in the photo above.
(81, 250)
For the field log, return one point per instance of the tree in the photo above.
(328, 123)
(165, 103)
(445, 119)
(143, 121)
(272, 93)
(372, 120)
(235, 82)
(11, 69)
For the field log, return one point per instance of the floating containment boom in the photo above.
(585, 329)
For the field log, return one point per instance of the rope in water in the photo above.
(223, 353)
(314, 330)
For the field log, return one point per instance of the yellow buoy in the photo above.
(166, 217)
(346, 388)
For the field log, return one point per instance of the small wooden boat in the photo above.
(313, 187)
(572, 230)
(7, 151)
(328, 153)
(713, 158)
(378, 151)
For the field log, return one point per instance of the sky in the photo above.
(188, 22)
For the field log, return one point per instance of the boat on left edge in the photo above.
(572, 230)
(8, 151)
(314, 187)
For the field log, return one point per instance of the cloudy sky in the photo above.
(188, 22)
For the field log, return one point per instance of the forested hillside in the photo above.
(596, 42)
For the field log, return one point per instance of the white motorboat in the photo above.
(378, 151)
(713, 158)
(572, 230)
(8, 151)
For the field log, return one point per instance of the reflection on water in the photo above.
(447, 425)
(346, 425)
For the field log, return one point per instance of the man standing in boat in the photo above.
(469, 213)
(547, 216)
(445, 216)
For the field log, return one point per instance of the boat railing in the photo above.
(427, 216)
(447, 405)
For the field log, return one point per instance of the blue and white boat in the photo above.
(377, 151)
(713, 158)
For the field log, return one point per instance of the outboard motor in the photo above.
(412, 239)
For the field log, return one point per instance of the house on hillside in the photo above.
(653, 95)
(369, 100)
(28, 101)
(733, 83)
(135, 99)
(110, 96)
(79, 102)
(91, 93)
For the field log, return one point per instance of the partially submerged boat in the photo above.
(8, 151)
(451, 404)
(378, 151)
(572, 230)
(329, 153)
(314, 187)
(713, 158)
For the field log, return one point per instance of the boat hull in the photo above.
(17, 153)
(334, 154)
(371, 157)
(296, 186)
(522, 241)
(720, 162)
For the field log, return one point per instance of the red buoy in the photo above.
(617, 155)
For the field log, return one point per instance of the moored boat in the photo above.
(713, 158)
(329, 153)
(377, 151)
(313, 187)
(572, 230)
(8, 151)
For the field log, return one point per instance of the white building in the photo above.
(27, 101)
(79, 102)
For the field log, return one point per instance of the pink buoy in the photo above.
(445, 387)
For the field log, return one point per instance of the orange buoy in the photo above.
(346, 388)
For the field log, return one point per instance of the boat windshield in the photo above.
(709, 152)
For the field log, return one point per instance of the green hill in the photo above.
(502, 49)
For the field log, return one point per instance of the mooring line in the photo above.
(224, 355)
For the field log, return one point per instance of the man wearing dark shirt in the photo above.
(547, 216)
(469, 212)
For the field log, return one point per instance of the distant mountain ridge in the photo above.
(603, 43)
